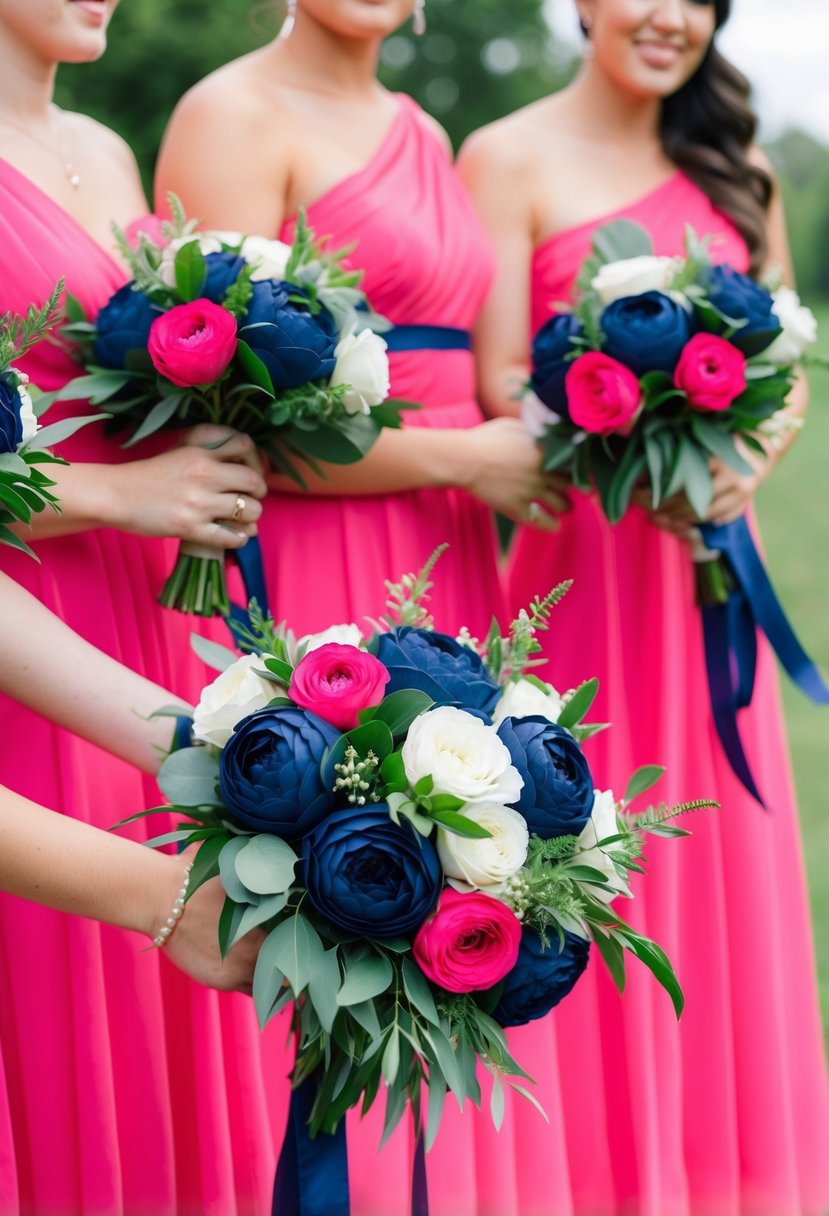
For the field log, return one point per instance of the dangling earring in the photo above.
(419, 18)
(290, 20)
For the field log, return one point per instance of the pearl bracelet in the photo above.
(164, 933)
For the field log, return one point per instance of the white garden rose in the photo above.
(233, 695)
(362, 364)
(207, 241)
(28, 420)
(268, 258)
(463, 756)
(344, 635)
(487, 862)
(633, 277)
(537, 416)
(799, 328)
(601, 825)
(524, 699)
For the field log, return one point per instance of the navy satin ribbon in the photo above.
(730, 632)
(312, 1175)
(252, 570)
(426, 337)
(183, 734)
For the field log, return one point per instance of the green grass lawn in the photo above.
(794, 515)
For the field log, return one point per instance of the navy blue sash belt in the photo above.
(312, 1175)
(426, 337)
(730, 631)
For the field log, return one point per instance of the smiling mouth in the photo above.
(658, 54)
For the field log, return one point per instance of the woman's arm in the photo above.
(64, 864)
(50, 669)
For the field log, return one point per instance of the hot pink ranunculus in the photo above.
(193, 343)
(469, 943)
(603, 396)
(335, 682)
(146, 225)
(711, 371)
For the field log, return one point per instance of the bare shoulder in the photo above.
(437, 130)
(231, 97)
(100, 141)
(511, 145)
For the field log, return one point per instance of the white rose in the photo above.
(345, 635)
(462, 755)
(602, 824)
(269, 258)
(632, 277)
(28, 421)
(485, 863)
(537, 416)
(799, 328)
(208, 243)
(363, 365)
(233, 695)
(523, 698)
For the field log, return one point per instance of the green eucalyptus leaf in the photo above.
(297, 950)
(643, 779)
(365, 979)
(189, 777)
(579, 704)
(211, 653)
(323, 987)
(391, 1056)
(235, 889)
(497, 1104)
(257, 914)
(268, 977)
(266, 865)
(417, 989)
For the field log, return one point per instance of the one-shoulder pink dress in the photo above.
(125, 1089)
(725, 1114)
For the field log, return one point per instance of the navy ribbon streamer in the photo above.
(730, 632)
(426, 337)
(252, 570)
(312, 1175)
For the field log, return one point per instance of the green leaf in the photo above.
(418, 991)
(229, 919)
(631, 467)
(391, 1057)
(396, 1103)
(266, 865)
(695, 476)
(211, 653)
(297, 950)
(282, 670)
(579, 704)
(322, 989)
(189, 777)
(254, 368)
(437, 1098)
(393, 772)
(655, 462)
(190, 271)
(365, 979)
(587, 874)
(719, 443)
(444, 1055)
(621, 239)
(206, 862)
(400, 709)
(657, 961)
(257, 914)
(445, 802)
(235, 889)
(424, 786)
(497, 1103)
(613, 955)
(460, 825)
(56, 432)
(642, 780)
(267, 977)
(160, 414)
(96, 387)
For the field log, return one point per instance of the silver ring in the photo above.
(534, 511)
(241, 503)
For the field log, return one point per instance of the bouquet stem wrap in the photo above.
(737, 597)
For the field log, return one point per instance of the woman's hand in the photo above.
(194, 946)
(205, 491)
(505, 472)
(732, 494)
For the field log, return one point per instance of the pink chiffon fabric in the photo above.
(125, 1089)
(725, 1114)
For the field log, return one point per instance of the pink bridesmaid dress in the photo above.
(725, 1114)
(426, 262)
(125, 1089)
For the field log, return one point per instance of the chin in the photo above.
(360, 18)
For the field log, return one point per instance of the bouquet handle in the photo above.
(746, 602)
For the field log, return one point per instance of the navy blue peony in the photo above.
(269, 771)
(557, 798)
(369, 876)
(448, 672)
(551, 345)
(540, 978)
(739, 298)
(645, 332)
(296, 345)
(123, 325)
(222, 271)
(11, 424)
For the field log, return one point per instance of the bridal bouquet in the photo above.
(272, 339)
(412, 819)
(24, 486)
(663, 363)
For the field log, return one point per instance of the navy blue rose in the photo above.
(557, 798)
(451, 674)
(741, 299)
(270, 771)
(551, 345)
(645, 332)
(296, 345)
(222, 271)
(369, 876)
(123, 325)
(11, 424)
(540, 978)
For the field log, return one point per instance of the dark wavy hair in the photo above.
(707, 128)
